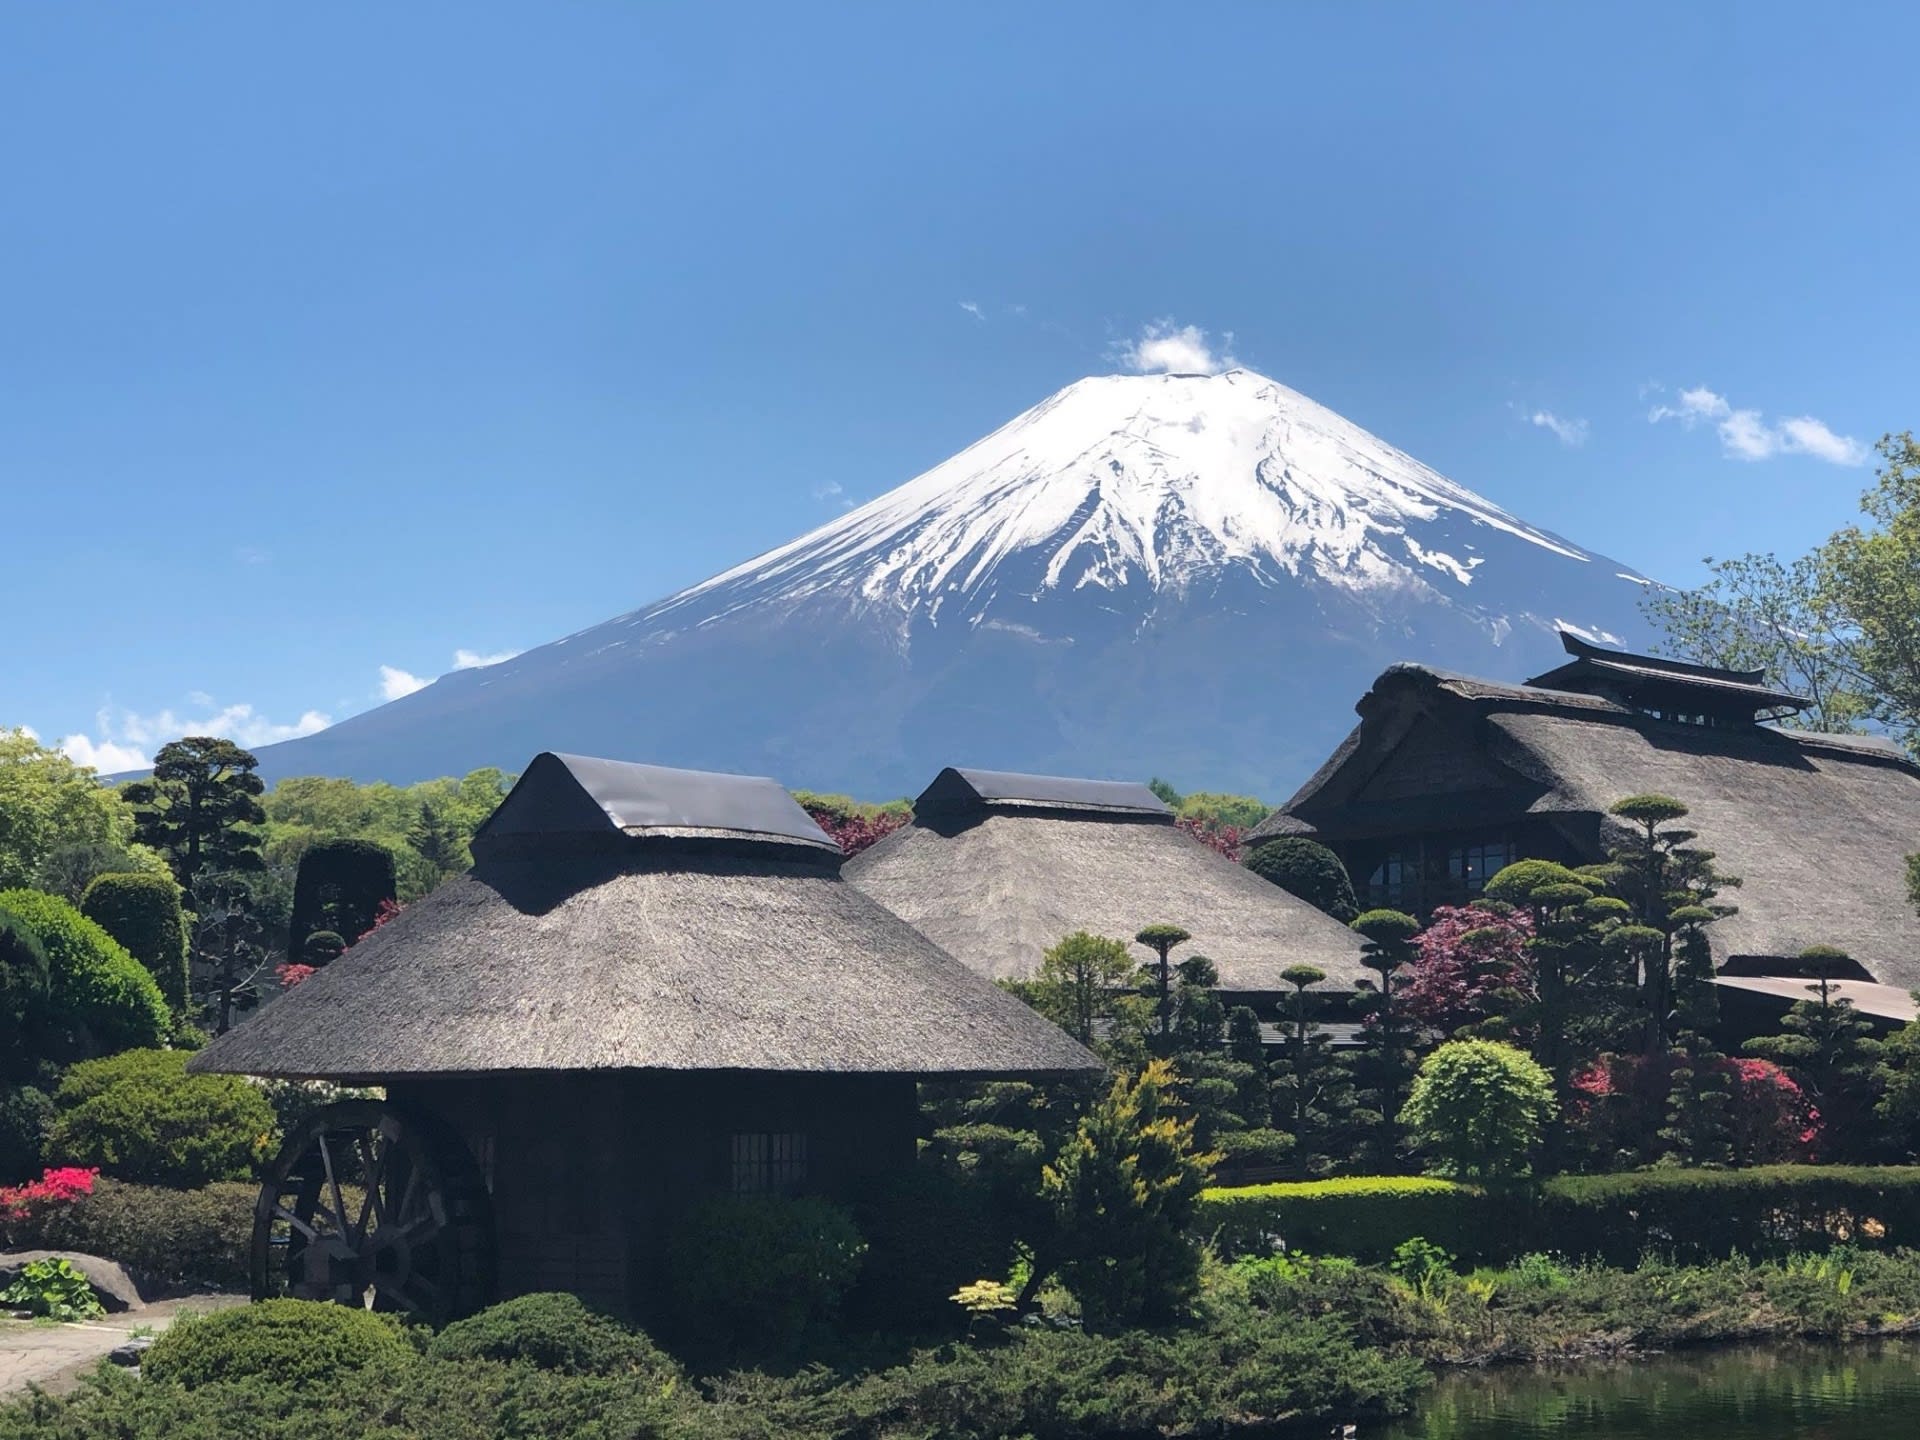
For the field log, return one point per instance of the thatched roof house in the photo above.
(996, 868)
(652, 986)
(1448, 778)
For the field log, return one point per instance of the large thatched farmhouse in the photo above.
(995, 868)
(652, 986)
(1447, 778)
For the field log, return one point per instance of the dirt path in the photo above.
(55, 1356)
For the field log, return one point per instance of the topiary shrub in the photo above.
(167, 1239)
(1309, 870)
(26, 1115)
(753, 1273)
(554, 1331)
(340, 886)
(140, 1116)
(99, 998)
(143, 913)
(23, 993)
(284, 1342)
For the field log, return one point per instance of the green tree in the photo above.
(1081, 982)
(340, 886)
(231, 949)
(143, 913)
(1840, 626)
(56, 817)
(1313, 1097)
(1215, 810)
(1897, 1078)
(1479, 1110)
(1122, 1192)
(1161, 939)
(24, 980)
(1386, 1063)
(437, 840)
(1828, 1047)
(1309, 870)
(201, 808)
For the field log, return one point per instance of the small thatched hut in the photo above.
(653, 986)
(1448, 778)
(996, 868)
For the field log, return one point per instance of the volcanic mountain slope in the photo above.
(1186, 575)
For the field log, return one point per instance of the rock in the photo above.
(130, 1353)
(112, 1284)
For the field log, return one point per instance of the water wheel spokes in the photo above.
(368, 1206)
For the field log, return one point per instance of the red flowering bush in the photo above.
(1620, 1104)
(23, 1206)
(1215, 834)
(292, 974)
(854, 833)
(1469, 965)
(383, 912)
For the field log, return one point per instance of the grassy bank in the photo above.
(1276, 1346)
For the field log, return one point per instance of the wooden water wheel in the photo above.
(373, 1206)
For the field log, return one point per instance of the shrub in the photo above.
(99, 998)
(340, 886)
(168, 1239)
(23, 993)
(25, 1208)
(52, 1288)
(1309, 870)
(26, 1114)
(1479, 1108)
(755, 1272)
(1361, 1216)
(143, 913)
(927, 1234)
(554, 1332)
(140, 1116)
(288, 1342)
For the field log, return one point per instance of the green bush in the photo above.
(340, 886)
(99, 998)
(755, 1272)
(140, 1116)
(23, 993)
(1309, 870)
(927, 1233)
(1479, 1109)
(52, 1288)
(142, 912)
(555, 1332)
(1771, 1211)
(168, 1239)
(26, 1114)
(289, 1342)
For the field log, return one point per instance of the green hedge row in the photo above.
(1687, 1215)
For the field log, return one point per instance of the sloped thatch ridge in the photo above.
(651, 959)
(999, 892)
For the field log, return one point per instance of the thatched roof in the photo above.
(622, 917)
(1817, 827)
(997, 884)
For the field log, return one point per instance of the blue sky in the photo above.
(349, 337)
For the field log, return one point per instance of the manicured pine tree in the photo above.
(199, 808)
(1313, 1098)
(1385, 1067)
(1247, 1048)
(1161, 939)
(1079, 983)
(230, 948)
(1307, 870)
(1829, 1049)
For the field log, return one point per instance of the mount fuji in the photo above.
(1187, 575)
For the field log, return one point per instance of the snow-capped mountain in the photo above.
(1189, 575)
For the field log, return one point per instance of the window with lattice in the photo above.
(769, 1163)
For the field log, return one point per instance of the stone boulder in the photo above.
(112, 1284)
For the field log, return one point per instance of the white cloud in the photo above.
(1568, 432)
(828, 490)
(474, 660)
(1746, 435)
(1164, 348)
(126, 739)
(395, 682)
(972, 308)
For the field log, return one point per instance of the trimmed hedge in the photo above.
(168, 1239)
(140, 1116)
(100, 999)
(554, 1331)
(1686, 1215)
(142, 911)
(285, 1342)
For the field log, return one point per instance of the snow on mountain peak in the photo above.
(1155, 481)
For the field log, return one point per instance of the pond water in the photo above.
(1860, 1392)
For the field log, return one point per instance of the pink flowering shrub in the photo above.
(854, 833)
(25, 1205)
(1620, 1104)
(1468, 965)
(291, 973)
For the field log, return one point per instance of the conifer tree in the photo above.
(1313, 1097)
(200, 808)
(1080, 983)
(1161, 939)
(1385, 1066)
(1828, 1048)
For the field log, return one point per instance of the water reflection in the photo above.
(1863, 1392)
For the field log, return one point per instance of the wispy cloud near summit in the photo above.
(1164, 348)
